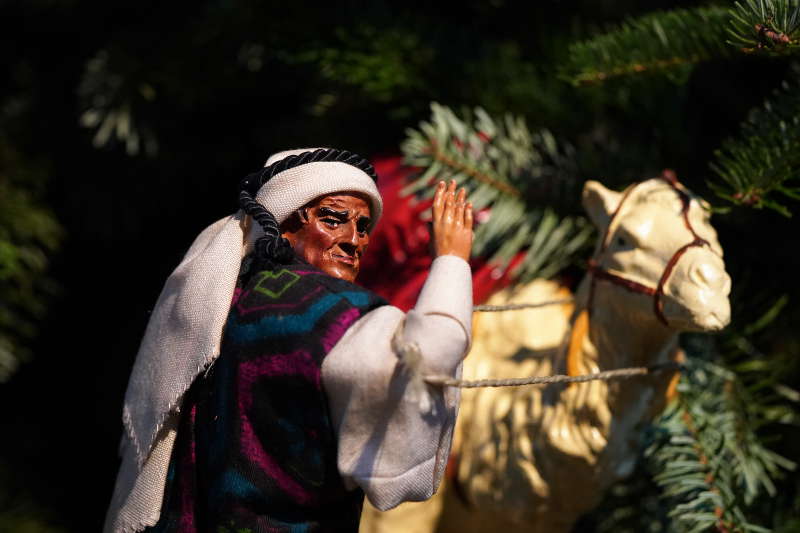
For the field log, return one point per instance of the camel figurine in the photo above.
(533, 458)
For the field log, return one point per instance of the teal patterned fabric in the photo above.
(256, 451)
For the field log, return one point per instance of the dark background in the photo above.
(218, 86)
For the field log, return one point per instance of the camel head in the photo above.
(656, 239)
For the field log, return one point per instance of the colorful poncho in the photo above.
(256, 451)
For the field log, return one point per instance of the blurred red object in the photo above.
(398, 259)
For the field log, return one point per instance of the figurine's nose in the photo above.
(352, 235)
(351, 240)
(348, 247)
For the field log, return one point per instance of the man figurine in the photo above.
(269, 393)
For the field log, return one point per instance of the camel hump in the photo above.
(502, 334)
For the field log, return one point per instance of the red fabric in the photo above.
(398, 258)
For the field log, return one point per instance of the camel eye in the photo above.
(624, 239)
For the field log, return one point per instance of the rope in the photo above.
(515, 307)
(254, 181)
(410, 353)
(606, 375)
(272, 246)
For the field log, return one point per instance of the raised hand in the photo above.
(452, 221)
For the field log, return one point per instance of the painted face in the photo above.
(331, 233)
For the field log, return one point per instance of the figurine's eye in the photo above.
(362, 225)
(332, 222)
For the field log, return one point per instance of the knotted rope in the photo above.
(410, 366)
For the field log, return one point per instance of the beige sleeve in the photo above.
(389, 445)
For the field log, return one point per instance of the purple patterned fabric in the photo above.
(256, 451)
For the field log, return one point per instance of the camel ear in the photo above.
(600, 203)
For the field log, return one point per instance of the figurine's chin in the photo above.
(340, 270)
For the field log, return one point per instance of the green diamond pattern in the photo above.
(274, 284)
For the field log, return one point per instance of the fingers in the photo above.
(459, 207)
(452, 221)
(450, 206)
(438, 201)
(450, 201)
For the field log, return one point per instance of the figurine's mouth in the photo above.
(346, 259)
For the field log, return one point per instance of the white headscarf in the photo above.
(185, 329)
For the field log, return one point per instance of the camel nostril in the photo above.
(707, 275)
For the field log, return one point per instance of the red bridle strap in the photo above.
(658, 304)
(629, 284)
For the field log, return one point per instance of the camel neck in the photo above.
(623, 330)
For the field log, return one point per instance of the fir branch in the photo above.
(29, 236)
(766, 25)
(383, 63)
(486, 177)
(515, 177)
(116, 105)
(654, 43)
(673, 41)
(711, 463)
(763, 162)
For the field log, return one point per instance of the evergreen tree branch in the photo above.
(673, 41)
(654, 43)
(766, 25)
(440, 155)
(116, 103)
(711, 464)
(383, 63)
(763, 162)
(29, 235)
(514, 178)
(707, 451)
